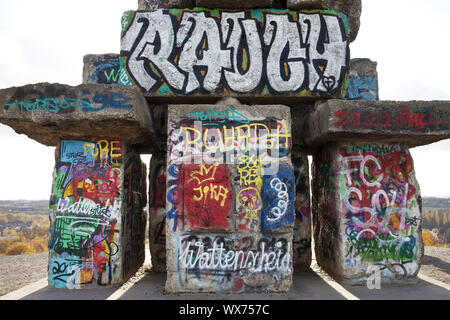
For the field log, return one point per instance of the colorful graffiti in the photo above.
(398, 119)
(86, 213)
(193, 143)
(232, 263)
(379, 203)
(260, 51)
(99, 102)
(225, 215)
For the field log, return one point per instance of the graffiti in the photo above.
(106, 71)
(214, 117)
(223, 256)
(86, 208)
(277, 194)
(57, 105)
(399, 119)
(363, 88)
(174, 195)
(259, 51)
(192, 143)
(379, 205)
(207, 196)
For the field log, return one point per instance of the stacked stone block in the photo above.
(97, 231)
(96, 212)
(230, 199)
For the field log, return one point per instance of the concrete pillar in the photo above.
(367, 212)
(97, 232)
(302, 227)
(230, 199)
(157, 209)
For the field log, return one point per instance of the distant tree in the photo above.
(19, 248)
(436, 218)
(3, 220)
(429, 239)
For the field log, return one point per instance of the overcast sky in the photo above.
(45, 41)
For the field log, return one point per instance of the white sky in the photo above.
(45, 41)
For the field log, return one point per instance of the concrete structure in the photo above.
(367, 212)
(230, 199)
(45, 112)
(362, 80)
(97, 231)
(229, 196)
(101, 68)
(351, 8)
(266, 58)
(413, 123)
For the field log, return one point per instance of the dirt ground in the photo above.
(19, 271)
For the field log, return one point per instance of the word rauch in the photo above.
(252, 51)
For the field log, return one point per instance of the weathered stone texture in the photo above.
(47, 112)
(302, 228)
(97, 232)
(351, 8)
(230, 198)
(164, 4)
(207, 54)
(362, 80)
(214, 4)
(367, 212)
(101, 68)
(413, 123)
(157, 211)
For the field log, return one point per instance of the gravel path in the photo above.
(18, 271)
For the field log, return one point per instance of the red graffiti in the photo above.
(402, 119)
(207, 196)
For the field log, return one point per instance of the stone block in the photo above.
(206, 54)
(412, 123)
(47, 112)
(367, 213)
(97, 217)
(233, 4)
(302, 225)
(362, 80)
(101, 68)
(157, 211)
(230, 198)
(351, 8)
(146, 5)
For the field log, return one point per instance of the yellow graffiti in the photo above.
(251, 136)
(250, 199)
(250, 170)
(213, 193)
(204, 174)
(103, 149)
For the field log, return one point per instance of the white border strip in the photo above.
(434, 281)
(25, 291)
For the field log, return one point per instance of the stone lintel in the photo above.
(47, 112)
(413, 123)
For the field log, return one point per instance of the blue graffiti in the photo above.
(55, 105)
(278, 195)
(364, 88)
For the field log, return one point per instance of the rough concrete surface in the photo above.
(413, 123)
(46, 112)
(259, 68)
(19, 271)
(351, 8)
